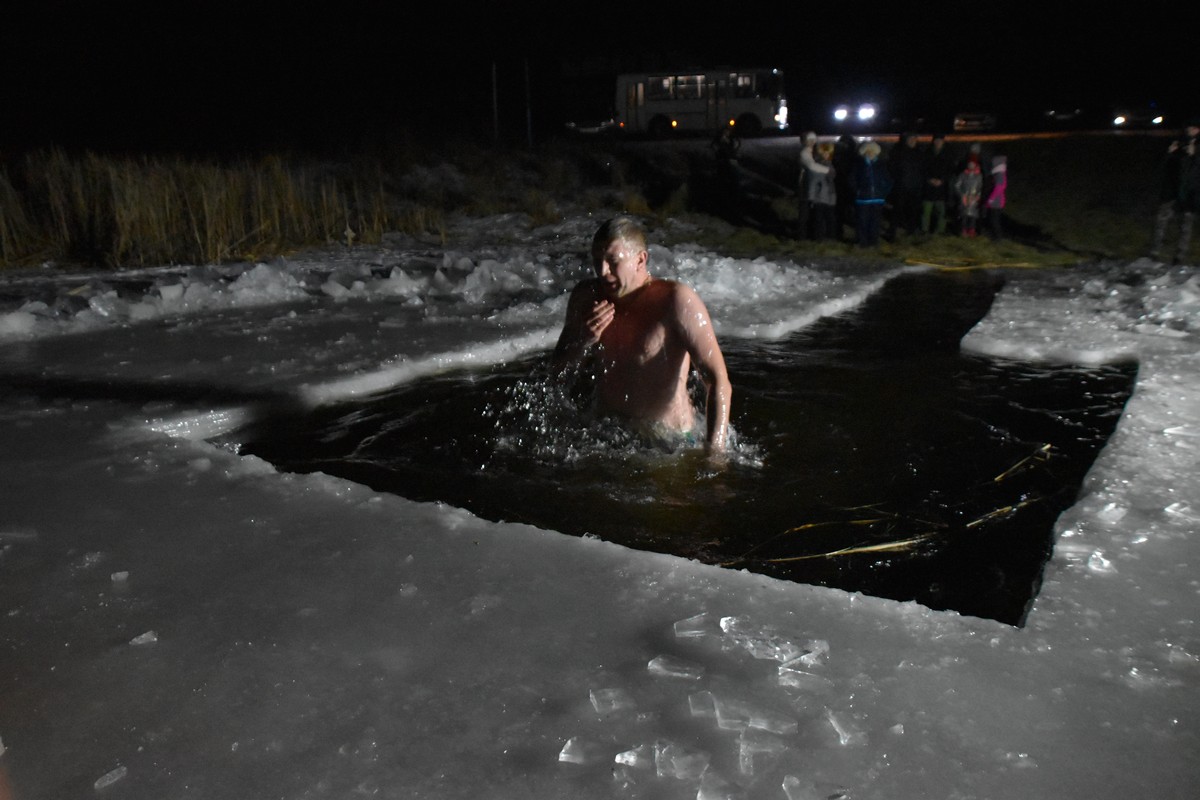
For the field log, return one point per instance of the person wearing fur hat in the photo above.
(810, 171)
(968, 187)
(996, 196)
(822, 194)
(872, 184)
(1180, 194)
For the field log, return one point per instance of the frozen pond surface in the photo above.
(176, 620)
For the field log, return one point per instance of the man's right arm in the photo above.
(586, 320)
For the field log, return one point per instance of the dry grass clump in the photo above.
(123, 211)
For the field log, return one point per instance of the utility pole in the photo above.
(528, 109)
(495, 107)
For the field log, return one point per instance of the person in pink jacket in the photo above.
(995, 199)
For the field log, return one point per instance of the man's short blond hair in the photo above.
(623, 228)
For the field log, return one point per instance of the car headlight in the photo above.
(866, 112)
(841, 113)
(1119, 119)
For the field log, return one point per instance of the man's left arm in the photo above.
(700, 339)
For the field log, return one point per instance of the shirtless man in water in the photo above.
(645, 333)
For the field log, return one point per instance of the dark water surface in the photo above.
(872, 455)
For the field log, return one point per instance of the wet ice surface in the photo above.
(927, 474)
(314, 638)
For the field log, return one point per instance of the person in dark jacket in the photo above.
(936, 177)
(906, 162)
(872, 184)
(845, 156)
(725, 146)
(1180, 194)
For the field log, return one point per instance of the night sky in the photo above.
(185, 75)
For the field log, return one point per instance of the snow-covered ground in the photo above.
(178, 621)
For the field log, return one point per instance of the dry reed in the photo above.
(132, 212)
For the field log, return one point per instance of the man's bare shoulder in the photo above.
(680, 296)
(666, 289)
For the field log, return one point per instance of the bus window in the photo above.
(743, 85)
(658, 88)
(689, 87)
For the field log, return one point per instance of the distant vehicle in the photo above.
(1138, 116)
(865, 116)
(974, 121)
(592, 127)
(1063, 115)
(856, 114)
(751, 100)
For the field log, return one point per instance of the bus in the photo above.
(750, 100)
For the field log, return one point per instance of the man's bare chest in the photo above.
(631, 342)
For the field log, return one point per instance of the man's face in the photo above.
(621, 268)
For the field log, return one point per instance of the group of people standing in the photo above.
(914, 190)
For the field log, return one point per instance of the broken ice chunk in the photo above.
(758, 751)
(579, 751)
(671, 667)
(149, 637)
(737, 715)
(795, 674)
(773, 723)
(693, 627)
(1182, 430)
(760, 642)
(676, 761)
(732, 715)
(848, 733)
(730, 624)
(703, 704)
(607, 701)
(1098, 563)
(109, 778)
(573, 751)
(815, 651)
(640, 757)
(796, 789)
(714, 787)
(1183, 510)
(1112, 513)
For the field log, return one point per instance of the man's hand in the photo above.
(600, 318)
